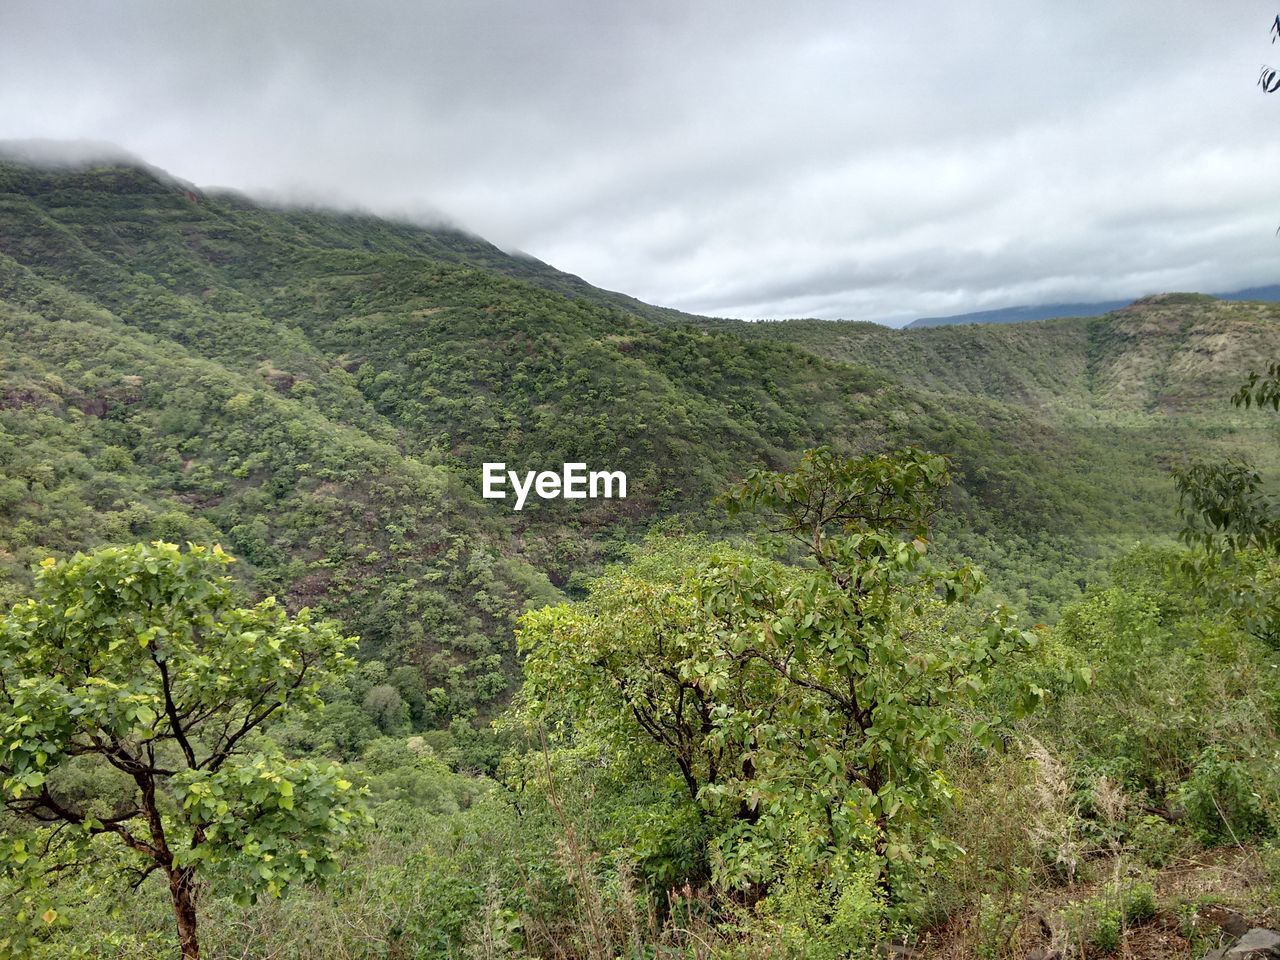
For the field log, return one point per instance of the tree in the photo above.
(1269, 78)
(1231, 522)
(387, 709)
(133, 692)
(804, 705)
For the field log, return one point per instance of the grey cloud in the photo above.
(868, 161)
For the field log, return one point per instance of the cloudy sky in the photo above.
(873, 160)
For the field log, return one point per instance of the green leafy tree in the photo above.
(805, 705)
(1231, 521)
(409, 682)
(387, 709)
(132, 689)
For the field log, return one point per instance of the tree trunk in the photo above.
(184, 911)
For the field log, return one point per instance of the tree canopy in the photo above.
(132, 686)
(1231, 520)
(806, 704)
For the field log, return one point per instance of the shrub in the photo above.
(997, 927)
(1101, 921)
(1223, 800)
(820, 917)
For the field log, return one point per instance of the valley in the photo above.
(324, 394)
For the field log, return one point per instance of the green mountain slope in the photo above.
(1179, 352)
(318, 391)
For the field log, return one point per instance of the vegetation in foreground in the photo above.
(809, 745)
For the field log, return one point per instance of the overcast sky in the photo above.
(876, 161)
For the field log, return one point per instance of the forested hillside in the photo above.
(317, 391)
(1171, 353)
(764, 706)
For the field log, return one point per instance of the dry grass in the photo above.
(1190, 895)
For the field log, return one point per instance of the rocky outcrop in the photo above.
(1257, 944)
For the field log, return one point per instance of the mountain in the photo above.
(1048, 311)
(318, 391)
(1023, 314)
(1160, 355)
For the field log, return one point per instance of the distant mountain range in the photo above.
(1048, 311)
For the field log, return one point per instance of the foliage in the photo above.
(1224, 799)
(836, 913)
(804, 707)
(131, 690)
(1101, 921)
(1170, 679)
(317, 390)
(1269, 78)
(1233, 521)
